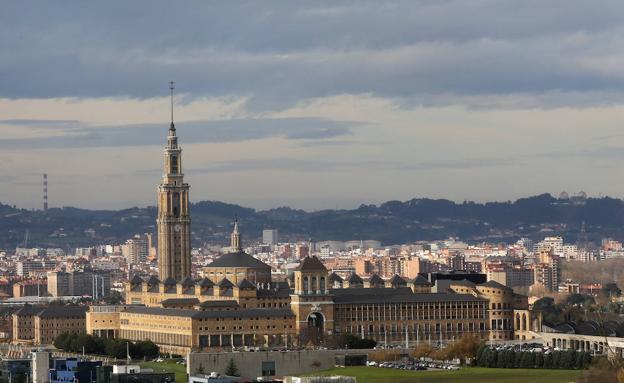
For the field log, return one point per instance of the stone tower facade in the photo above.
(312, 302)
(173, 220)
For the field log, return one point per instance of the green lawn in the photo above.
(465, 375)
(168, 366)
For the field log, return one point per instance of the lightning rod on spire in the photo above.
(171, 88)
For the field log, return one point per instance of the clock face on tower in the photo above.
(177, 227)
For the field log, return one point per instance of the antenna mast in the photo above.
(45, 192)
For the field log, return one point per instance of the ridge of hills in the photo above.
(392, 222)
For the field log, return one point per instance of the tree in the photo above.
(85, 342)
(568, 359)
(539, 360)
(580, 300)
(603, 371)
(114, 298)
(231, 369)
(500, 359)
(62, 341)
(520, 359)
(611, 289)
(492, 358)
(578, 360)
(422, 350)
(116, 348)
(510, 359)
(201, 370)
(466, 347)
(556, 359)
(483, 359)
(146, 348)
(479, 354)
(355, 342)
(550, 311)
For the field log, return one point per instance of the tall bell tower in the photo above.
(174, 220)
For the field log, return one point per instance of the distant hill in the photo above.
(392, 222)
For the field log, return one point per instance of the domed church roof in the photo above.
(238, 259)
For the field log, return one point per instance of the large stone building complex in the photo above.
(313, 306)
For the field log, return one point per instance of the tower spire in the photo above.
(171, 88)
(235, 243)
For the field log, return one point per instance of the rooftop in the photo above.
(398, 295)
(239, 259)
(311, 264)
(196, 314)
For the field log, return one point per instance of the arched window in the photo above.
(176, 204)
(313, 284)
(322, 284)
(305, 284)
(174, 164)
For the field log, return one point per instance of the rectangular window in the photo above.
(268, 368)
(203, 341)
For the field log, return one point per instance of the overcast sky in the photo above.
(311, 104)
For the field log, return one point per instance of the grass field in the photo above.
(465, 375)
(168, 366)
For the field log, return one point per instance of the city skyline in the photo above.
(325, 105)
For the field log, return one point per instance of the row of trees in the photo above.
(465, 348)
(570, 359)
(355, 342)
(114, 348)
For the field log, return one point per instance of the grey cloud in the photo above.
(279, 53)
(193, 132)
(326, 143)
(467, 163)
(33, 122)
(333, 165)
(43, 124)
(604, 152)
(339, 165)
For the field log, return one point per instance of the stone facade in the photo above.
(509, 316)
(42, 325)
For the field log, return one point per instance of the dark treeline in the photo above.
(569, 359)
(114, 348)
